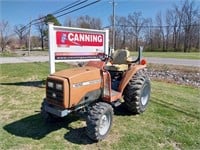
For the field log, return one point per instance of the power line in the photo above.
(78, 8)
(67, 7)
(154, 26)
(41, 21)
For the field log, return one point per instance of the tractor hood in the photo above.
(76, 72)
(80, 81)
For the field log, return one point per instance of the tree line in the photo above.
(178, 29)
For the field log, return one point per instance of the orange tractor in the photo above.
(95, 89)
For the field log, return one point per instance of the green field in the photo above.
(172, 120)
(179, 55)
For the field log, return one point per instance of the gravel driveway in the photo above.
(4, 60)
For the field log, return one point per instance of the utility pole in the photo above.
(113, 24)
(29, 39)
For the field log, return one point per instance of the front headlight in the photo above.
(59, 86)
(50, 84)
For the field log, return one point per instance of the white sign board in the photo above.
(76, 44)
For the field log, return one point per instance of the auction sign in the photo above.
(76, 44)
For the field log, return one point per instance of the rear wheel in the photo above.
(137, 93)
(99, 121)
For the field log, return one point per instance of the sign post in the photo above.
(76, 44)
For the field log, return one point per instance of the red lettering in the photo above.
(79, 39)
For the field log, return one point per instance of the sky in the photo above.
(22, 11)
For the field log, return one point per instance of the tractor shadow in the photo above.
(78, 136)
(121, 110)
(39, 83)
(36, 128)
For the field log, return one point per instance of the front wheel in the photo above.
(99, 121)
(137, 93)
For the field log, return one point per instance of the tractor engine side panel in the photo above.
(82, 84)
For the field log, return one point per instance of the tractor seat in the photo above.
(119, 62)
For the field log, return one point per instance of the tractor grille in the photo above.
(54, 93)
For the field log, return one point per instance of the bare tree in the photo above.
(5, 38)
(195, 36)
(83, 22)
(136, 22)
(96, 23)
(197, 27)
(35, 41)
(160, 30)
(21, 32)
(168, 28)
(41, 28)
(121, 31)
(69, 22)
(88, 22)
(149, 34)
(178, 30)
(189, 16)
(173, 19)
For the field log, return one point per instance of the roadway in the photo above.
(169, 61)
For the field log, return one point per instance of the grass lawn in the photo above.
(179, 55)
(21, 53)
(172, 120)
(7, 54)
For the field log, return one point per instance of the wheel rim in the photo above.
(145, 95)
(104, 124)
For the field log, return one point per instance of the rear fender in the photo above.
(128, 75)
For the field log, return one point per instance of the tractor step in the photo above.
(116, 103)
(115, 95)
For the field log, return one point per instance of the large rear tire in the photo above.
(137, 93)
(99, 121)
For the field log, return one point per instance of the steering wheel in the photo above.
(106, 58)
